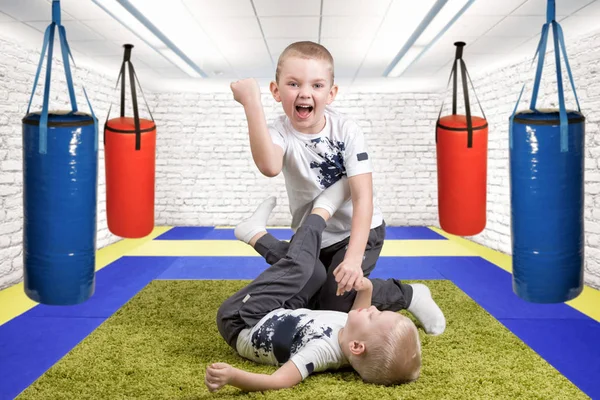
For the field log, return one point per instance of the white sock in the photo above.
(257, 223)
(334, 196)
(426, 310)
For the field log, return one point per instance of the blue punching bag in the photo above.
(547, 189)
(60, 169)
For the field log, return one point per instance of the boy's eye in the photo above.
(318, 85)
(293, 84)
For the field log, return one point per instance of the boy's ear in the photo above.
(275, 91)
(332, 93)
(356, 347)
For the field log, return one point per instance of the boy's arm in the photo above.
(364, 294)
(350, 270)
(267, 156)
(221, 374)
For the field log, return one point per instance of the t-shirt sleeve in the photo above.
(313, 357)
(277, 135)
(356, 155)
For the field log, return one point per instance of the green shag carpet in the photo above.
(158, 345)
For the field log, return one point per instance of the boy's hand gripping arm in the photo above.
(267, 156)
(350, 269)
(221, 374)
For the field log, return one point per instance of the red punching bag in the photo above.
(130, 158)
(461, 146)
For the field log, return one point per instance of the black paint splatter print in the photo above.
(283, 335)
(332, 167)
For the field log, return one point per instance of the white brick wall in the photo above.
(498, 93)
(206, 176)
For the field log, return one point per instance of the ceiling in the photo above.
(232, 39)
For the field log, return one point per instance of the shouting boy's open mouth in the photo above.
(303, 110)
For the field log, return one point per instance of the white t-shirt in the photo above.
(308, 338)
(313, 162)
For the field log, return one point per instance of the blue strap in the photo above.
(540, 66)
(43, 142)
(67, 51)
(564, 121)
(66, 54)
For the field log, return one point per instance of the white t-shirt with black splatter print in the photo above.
(313, 162)
(308, 338)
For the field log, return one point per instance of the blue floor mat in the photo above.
(491, 287)
(34, 341)
(251, 267)
(210, 233)
(571, 347)
(411, 233)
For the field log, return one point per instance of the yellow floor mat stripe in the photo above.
(14, 301)
(229, 248)
(588, 302)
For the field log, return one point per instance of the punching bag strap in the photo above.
(444, 99)
(66, 53)
(463, 72)
(132, 80)
(136, 113)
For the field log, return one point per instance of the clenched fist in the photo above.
(246, 91)
(217, 376)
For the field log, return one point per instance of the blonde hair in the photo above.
(391, 357)
(308, 50)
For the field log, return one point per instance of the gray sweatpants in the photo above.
(288, 283)
(389, 294)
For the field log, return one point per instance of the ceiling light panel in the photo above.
(225, 29)
(517, 26)
(290, 27)
(287, 8)
(75, 30)
(112, 30)
(220, 8)
(563, 7)
(83, 10)
(96, 47)
(119, 13)
(396, 28)
(30, 10)
(494, 7)
(473, 25)
(372, 8)
(276, 46)
(440, 21)
(350, 27)
(175, 21)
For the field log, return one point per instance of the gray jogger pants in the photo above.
(288, 283)
(388, 294)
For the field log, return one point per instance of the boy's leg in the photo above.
(389, 294)
(289, 283)
(253, 230)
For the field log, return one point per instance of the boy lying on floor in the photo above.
(268, 322)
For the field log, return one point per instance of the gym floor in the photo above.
(34, 337)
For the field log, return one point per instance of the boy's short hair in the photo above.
(391, 357)
(306, 49)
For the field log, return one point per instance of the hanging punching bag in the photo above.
(129, 154)
(461, 147)
(60, 168)
(547, 193)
